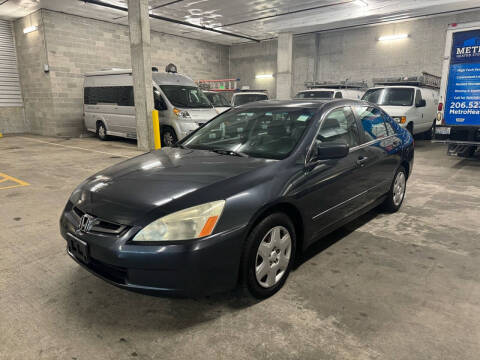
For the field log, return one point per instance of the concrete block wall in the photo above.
(76, 45)
(12, 120)
(36, 85)
(249, 60)
(356, 54)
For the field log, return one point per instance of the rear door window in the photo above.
(372, 122)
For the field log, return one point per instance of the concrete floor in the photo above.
(402, 286)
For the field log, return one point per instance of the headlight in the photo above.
(192, 223)
(400, 119)
(182, 114)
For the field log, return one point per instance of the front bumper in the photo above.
(187, 268)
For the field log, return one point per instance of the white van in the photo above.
(409, 101)
(109, 104)
(327, 93)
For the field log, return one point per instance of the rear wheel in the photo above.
(396, 194)
(169, 138)
(102, 131)
(430, 134)
(268, 256)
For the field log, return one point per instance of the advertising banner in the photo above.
(462, 105)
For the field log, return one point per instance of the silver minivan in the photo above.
(110, 110)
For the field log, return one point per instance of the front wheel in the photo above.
(169, 138)
(396, 194)
(102, 131)
(268, 256)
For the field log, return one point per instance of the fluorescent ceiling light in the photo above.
(264, 76)
(393, 37)
(360, 3)
(30, 29)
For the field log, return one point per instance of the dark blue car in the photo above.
(234, 202)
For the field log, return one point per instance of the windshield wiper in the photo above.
(228, 152)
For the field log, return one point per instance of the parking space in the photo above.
(401, 286)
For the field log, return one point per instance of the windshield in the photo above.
(186, 96)
(390, 96)
(315, 95)
(270, 133)
(218, 100)
(241, 99)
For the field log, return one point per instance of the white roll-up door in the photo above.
(10, 92)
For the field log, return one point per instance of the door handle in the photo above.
(361, 161)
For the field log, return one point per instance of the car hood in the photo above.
(125, 193)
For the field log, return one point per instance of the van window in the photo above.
(390, 96)
(418, 98)
(241, 99)
(159, 102)
(218, 100)
(119, 95)
(186, 96)
(372, 122)
(315, 95)
(338, 95)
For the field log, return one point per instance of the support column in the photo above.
(139, 26)
(284, 66)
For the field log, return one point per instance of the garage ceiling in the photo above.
(258, 19)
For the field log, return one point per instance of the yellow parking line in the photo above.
(5, 177)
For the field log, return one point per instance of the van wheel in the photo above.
(102, 131)
(169, 138)
(429, 134)
(410, 128)
(268, 256)
(396, 194)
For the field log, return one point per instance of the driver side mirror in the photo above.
(325, 151)
(422, 103)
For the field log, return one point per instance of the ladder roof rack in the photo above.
(426, 80)
(218, 84)
(336, 84)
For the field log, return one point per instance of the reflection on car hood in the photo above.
(126, 192)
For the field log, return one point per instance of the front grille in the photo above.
(101, 226)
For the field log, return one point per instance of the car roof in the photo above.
(301, 103)
(250, 93)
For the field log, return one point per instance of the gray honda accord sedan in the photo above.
(232, 204)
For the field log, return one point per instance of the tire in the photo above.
(410, 128)
(430, 134)
(267, 259)
(396, 195)
(469, 152)
(169, 138)
(102, 131)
